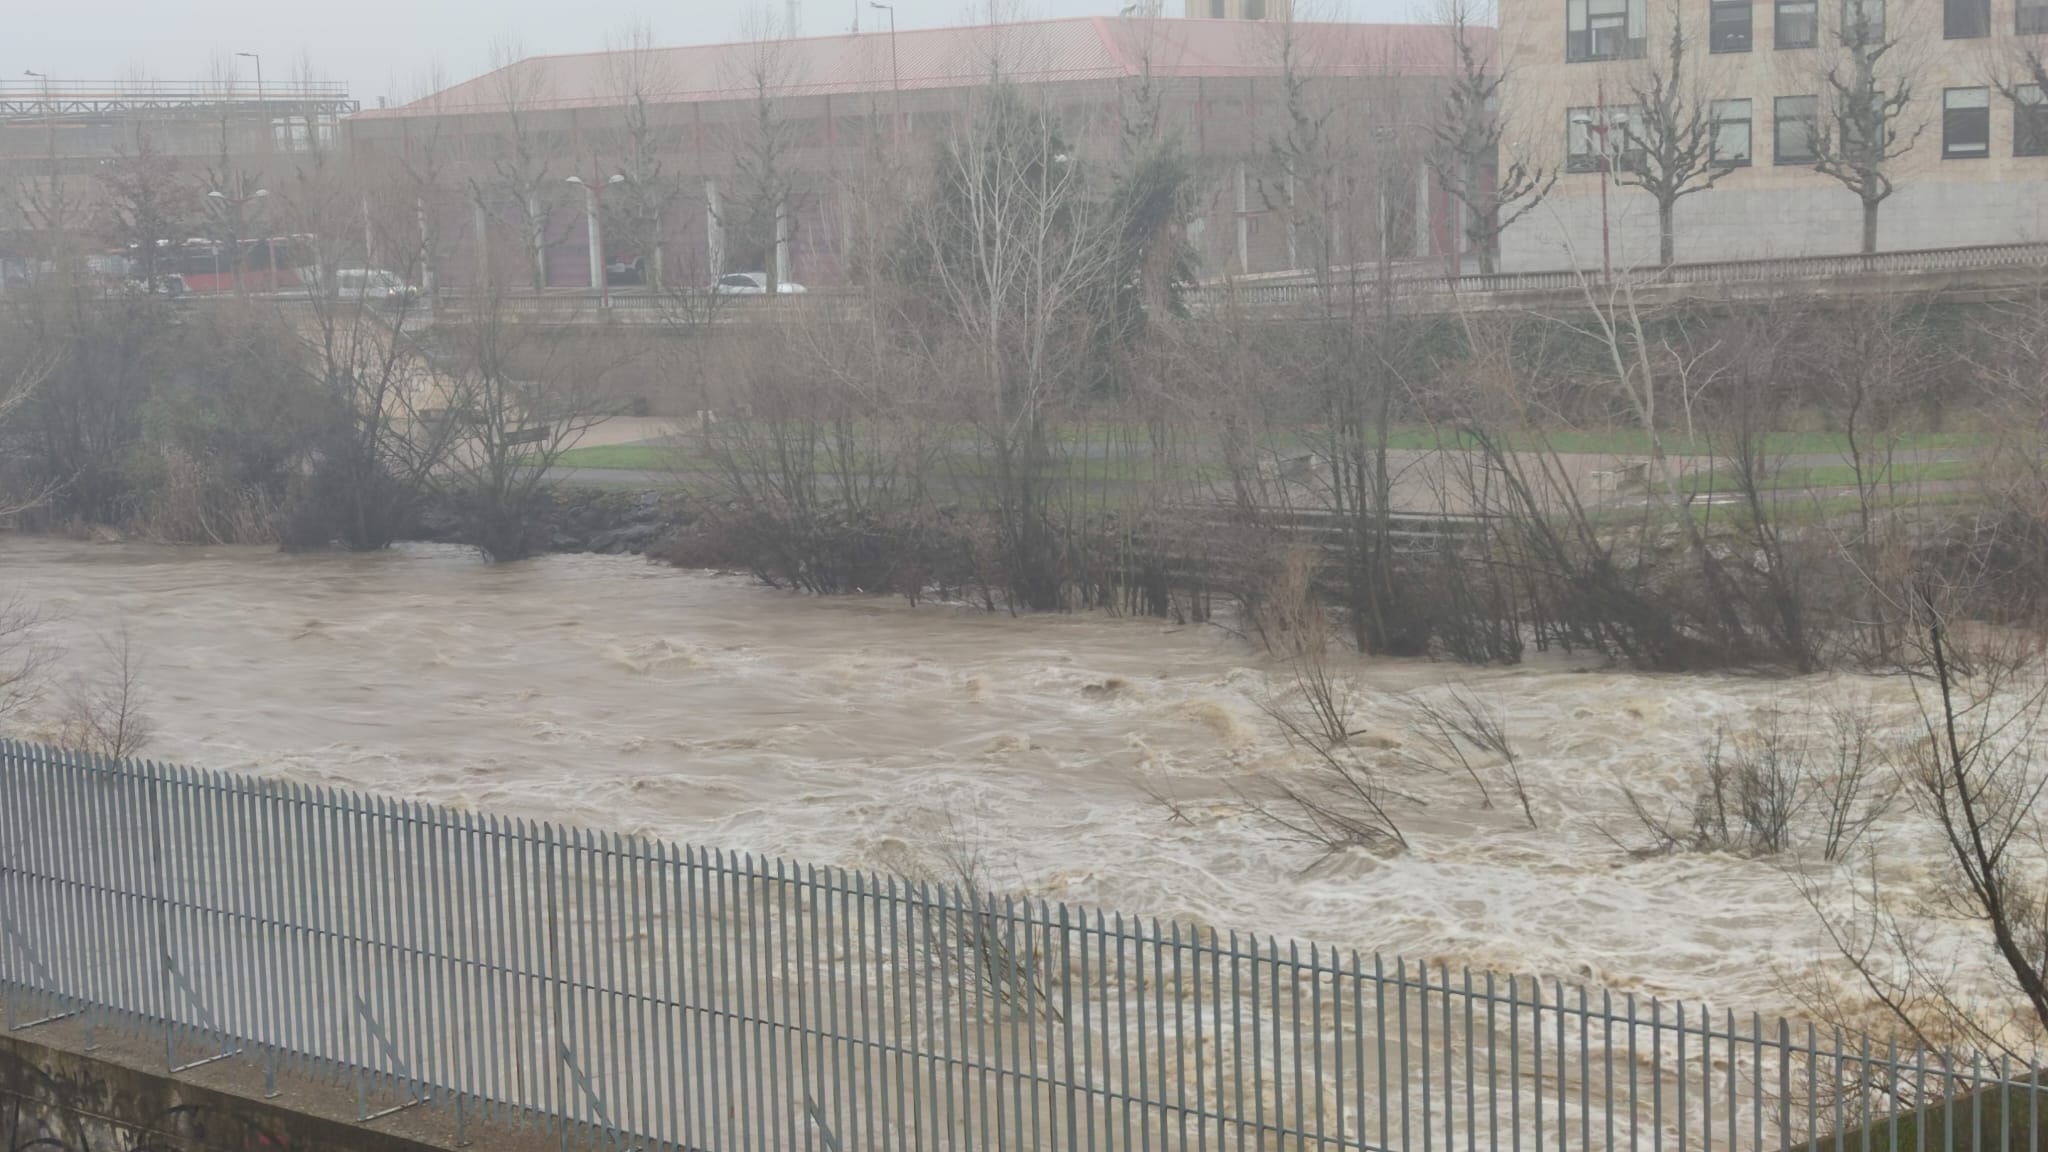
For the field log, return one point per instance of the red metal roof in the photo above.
(1044, 51)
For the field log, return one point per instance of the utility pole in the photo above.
(269, 145)
(895, 76)
(49, 109)
(262, 106)
(1606, 255)
(234, 206)
(1596, 126)
(56, 179)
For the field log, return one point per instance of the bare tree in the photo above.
(519, 183)
(1005, 254)
(391, 431)
(1868, 70)
(1973, 773)
(1340, 799)
(52, 205)
(767, 191)
(24, 659)
(1461, 726)
(1493, 190)
(105, 709)
(518, 402)
(1670, 133)
(2024, 65)
(639, 80)
(227, 191)
(1341, 181)
(145, 202)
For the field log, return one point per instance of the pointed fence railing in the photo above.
(621, 992)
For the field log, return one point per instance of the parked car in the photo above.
(625, 272)
(753, 284)
(167, 284)
(373, 284)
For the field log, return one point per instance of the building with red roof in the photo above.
(827, 112)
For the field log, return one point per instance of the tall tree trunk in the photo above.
(1870, 226)
(1667, 241)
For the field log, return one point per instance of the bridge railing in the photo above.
(622, 992)
(1270, 291)
(631, 307)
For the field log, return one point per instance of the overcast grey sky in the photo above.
(391, 47)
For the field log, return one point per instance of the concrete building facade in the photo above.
(59, 138)
(844, 105)
(1974, 128)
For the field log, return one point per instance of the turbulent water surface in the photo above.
(615, 693)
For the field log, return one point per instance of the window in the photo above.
(1584, 129)
(1862, 21)
(1792, 129)
(1731, 133)
(1255, 9)
(2031, 17)
(2029, 121)
(1605, 29)
(1965, 19)
(1799, 23)
(1965, 123)
(1728, 29)
(1215, 9)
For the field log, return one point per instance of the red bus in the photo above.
(272, 264)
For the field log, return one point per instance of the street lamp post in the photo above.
(895, 76)
(593, 189)
(49, 109)
(50, 126)
(262, 107)
(1606, 255)
(234, 205)
(1596, 125)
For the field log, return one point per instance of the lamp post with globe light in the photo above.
(593, 189)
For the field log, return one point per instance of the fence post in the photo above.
(1784, 1083)
(554, 980)
(155, 786)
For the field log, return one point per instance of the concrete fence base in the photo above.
(55, 1096)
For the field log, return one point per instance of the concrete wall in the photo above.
(88, 1102)
(1733, 222)
(1767, 209)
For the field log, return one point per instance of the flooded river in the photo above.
(615, 693)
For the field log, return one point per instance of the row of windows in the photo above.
(1965, 130)
(1618, 29)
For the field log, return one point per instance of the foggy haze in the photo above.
(403, 48)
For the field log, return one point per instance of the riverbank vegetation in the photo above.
(1031, 403)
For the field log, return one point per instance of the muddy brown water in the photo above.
(611, 692)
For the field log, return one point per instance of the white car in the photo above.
(753, 284)
(373, 284)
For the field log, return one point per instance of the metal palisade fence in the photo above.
(621, 992)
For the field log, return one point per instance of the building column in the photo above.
(714, 230)
(655, 271)
(539, 239)
(593, 231)
(1425, 214)
(483, 245)
(426, 261)
(1244, 224)
(782, 232)
(1293, 238)
(369, 236)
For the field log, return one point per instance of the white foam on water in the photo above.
(613, 693)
